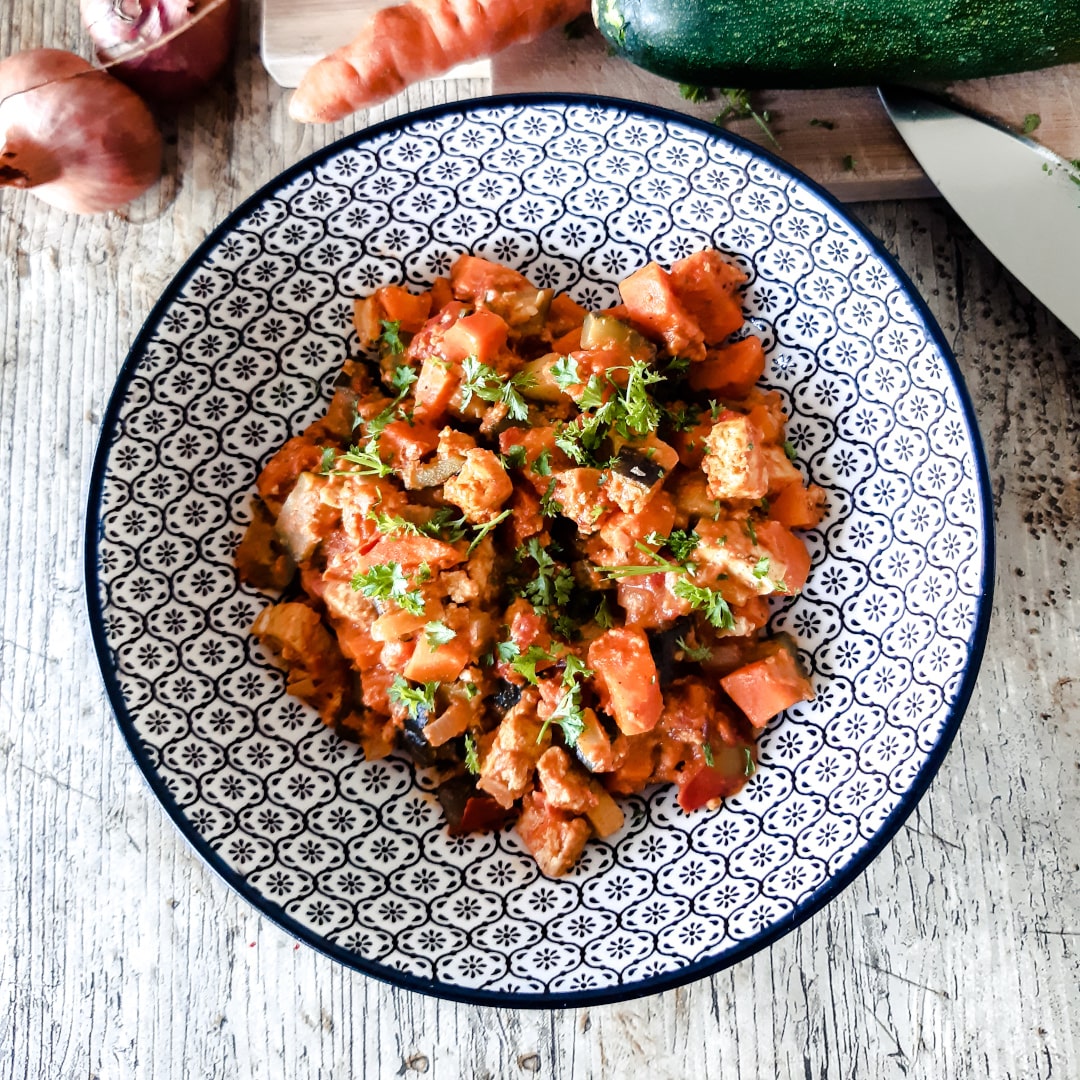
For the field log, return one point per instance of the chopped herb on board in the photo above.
(828, 125)
(738, 108)
(849, 163)
(1031, 123)
(692, 93)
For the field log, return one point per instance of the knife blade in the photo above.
(1020, 199)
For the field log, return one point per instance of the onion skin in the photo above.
(177, 68)
(73, 135)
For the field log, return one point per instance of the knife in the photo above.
(1020, 199)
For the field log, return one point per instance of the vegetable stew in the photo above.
(534, 546)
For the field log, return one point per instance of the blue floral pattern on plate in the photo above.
(352, 856)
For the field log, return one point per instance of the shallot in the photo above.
(168, 50)
(72, 134)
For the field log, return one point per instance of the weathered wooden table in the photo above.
(957, 954)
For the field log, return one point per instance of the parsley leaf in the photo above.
(708, 601)
(602, 617)
(402, 692)
(706, 750)
(761, 568)
(403, 377)
(507, 650)
(326, 462)
(682, 542)
(438, 633)
(552, 586)
(692, 93)
(391, 337)
(751, 766)
(565, 373)
(488, 385)
(542, 464)
(567, 713)
(366, 460)
(549, 505)
(472, 755)
(525, 663)
(789, 449)
(387, 581)
(483, 530)
(695, 656)
(515, 458)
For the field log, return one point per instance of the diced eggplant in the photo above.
(638, 467)
(506, 696)
(422, 752)
(663, 646)
(261, 557)
(433, 473)
(305, 519)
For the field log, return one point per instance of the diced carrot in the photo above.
(409, 552)
(622, 531)
(705, 284)
(406, 442)
(526, 520)
(798, 507)
(482, 334)
(366, 315)
(690, 444)
(401, 306)
(730, 371)
(788, 551)
(434, 388)
(626, 676)
(440, 663)
(441, 294)
(635, 759)
(650, 298)
(568, 342)
(564, 315)
(473, 278)
(279, 474)
(766, 687)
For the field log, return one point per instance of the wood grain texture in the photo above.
(957, 954)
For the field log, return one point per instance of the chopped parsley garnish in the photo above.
(403, 377)
(326, 462)
(365, 459)
(552, 585)
(738, 108)
(387, 581)
(507, 650)
(394, 524)
(391, 337)
(692, 93)
(438, 633)
(789, 449)
(761, 568)
(549, 505)
(525, 662)
(542, 464)
(567, 713)
(402, 692)
(472, 755)
(483, 530)
(706, 750)
(682, 542)
(565, 373)
(488, 385)
(1031, 123)
(750, 767)
(515, 458)
(751, 531)
(602, 617)
(695, 656)
(714, 607)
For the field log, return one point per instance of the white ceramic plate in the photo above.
(352, 857)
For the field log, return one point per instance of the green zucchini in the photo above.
(815, 43)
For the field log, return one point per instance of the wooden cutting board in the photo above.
(852, 149)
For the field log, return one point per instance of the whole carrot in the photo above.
(419, 40)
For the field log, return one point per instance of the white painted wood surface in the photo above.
(957, 955)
